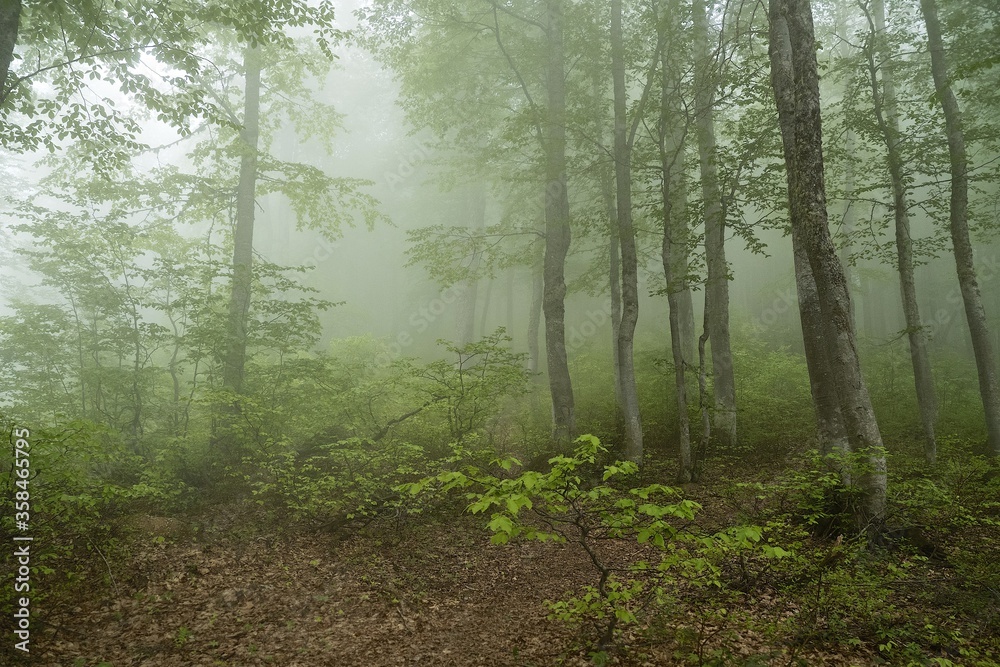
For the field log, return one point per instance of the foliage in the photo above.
(337, 481)
(578, 502)
(83, 478)
(75, 60)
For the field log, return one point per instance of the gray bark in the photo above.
(887, 117)
(796, 86)
(614, 256)
(626, 236)
(975, 315)
(717, 280)
(535, 317)
(615, 286)
(557, 229)
(10, 19)
(672, 129)
(239, 299)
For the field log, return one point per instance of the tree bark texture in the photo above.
(673, 191)
(887, 117)
(557, 229)
(626, 236)
(242, 283)
(796, 86)
(10, 20)
(717, 279)
(975, 314)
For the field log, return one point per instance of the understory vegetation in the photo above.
(762, 563)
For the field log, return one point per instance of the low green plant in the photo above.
(578, 502)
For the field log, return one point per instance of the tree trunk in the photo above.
(849, 215)
(796, 87)
(615, 286)
(557, 231)
(10, 20)
(887, 116)
(510, 301)
(239, 299)
(626, 236)
(831, 431)
(535, 318)
(968, 283)
(717, 280)
(672, 128)
(614, 256)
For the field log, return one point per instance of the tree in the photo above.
(887, 117)
(717, 279)
(525, 43)
(626, 236)
(794, 74)
(672, 128)
(89, 54)
(557, 226)
(975, 314)
(246, 204)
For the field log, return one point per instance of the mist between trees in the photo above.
(695, 304)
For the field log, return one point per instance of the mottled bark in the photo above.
(887, 117)
(626, 236)
(615, 286)
(242, 282)
(10, 19)
(717, 279)
(796, 86)
(557, 228)
(975, 315)
(831, 432)
(535, 317)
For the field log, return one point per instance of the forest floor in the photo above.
(425, 594)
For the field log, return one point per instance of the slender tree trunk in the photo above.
(796, 85)
(975, 314)
(239, 299)
(615, 285)
(535, 317)
(510, 301)
(557, 229)
(672, 128)
(626, 235)
(849, 215)
(10, 19)
(887, 117)
(614, 256)
(685, 301)
(717, 280)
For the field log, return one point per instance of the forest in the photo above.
(500, 332)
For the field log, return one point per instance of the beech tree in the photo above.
(989, 384)
(794, 73)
